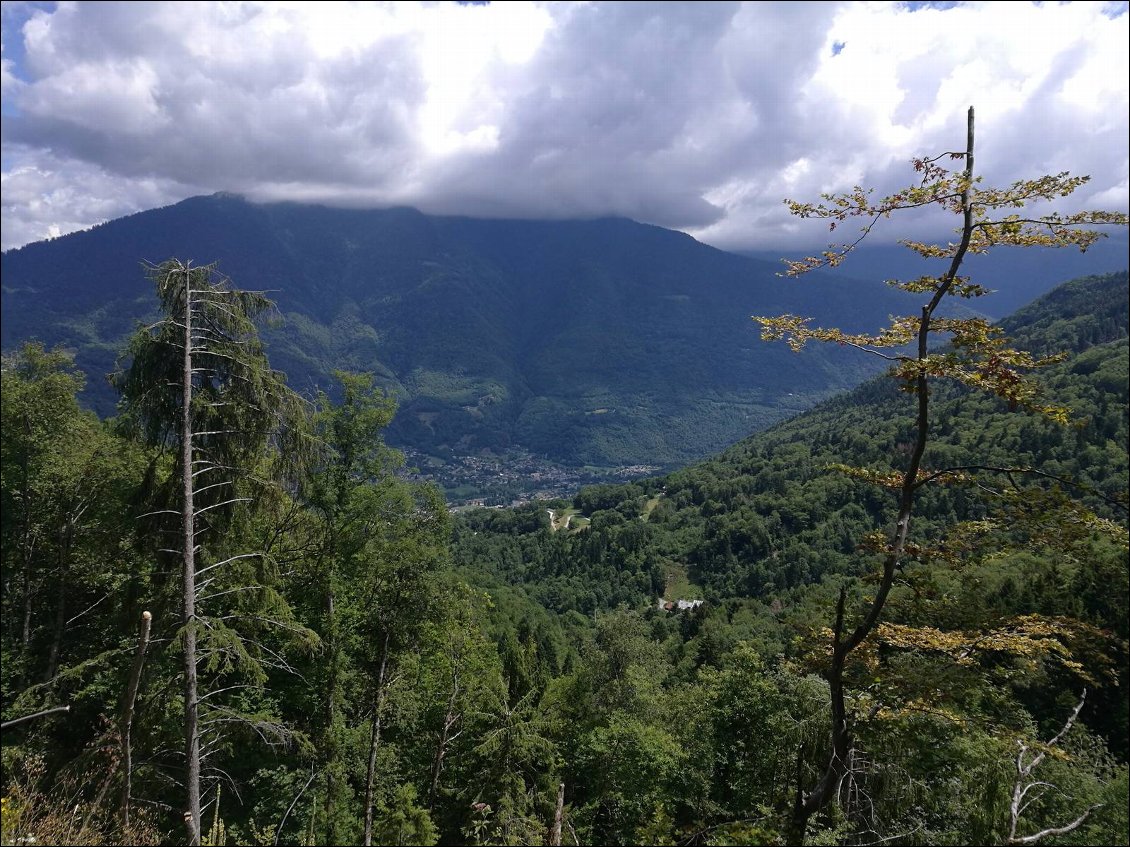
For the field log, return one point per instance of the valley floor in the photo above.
(511, 479)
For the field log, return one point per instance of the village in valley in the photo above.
(513, 479)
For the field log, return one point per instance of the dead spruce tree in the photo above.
(977, 356)
(198, 384)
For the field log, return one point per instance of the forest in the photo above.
(230, 617)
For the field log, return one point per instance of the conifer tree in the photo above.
(198, 382)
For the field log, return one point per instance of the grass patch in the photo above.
(569, 519)
(678, 584)
(578, 523)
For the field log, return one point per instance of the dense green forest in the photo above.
(370, 663)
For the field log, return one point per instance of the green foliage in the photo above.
(518, 658)
(239, 402)
(632, 766)
(68, 487)
(404, 822)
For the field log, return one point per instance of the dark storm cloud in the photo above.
(639, 109)
(700, 116)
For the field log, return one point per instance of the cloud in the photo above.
(1048, 83)
(698, 116)
(44, 197)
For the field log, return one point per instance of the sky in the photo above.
(699, 116)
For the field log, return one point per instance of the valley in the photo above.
(544, 424)
(512, 478)
(652, 633)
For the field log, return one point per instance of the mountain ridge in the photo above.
(603, 342)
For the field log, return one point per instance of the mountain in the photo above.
(1016, 277)
(602, 342)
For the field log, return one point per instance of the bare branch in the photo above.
(33, 715)
(90, 607)
(293, 803)
(227, 561)
(1020, 789)
(224, 503)
(1055, 830)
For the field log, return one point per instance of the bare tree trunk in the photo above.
(450, 719)
(555, 833)
(126, 727)
(61, 604)
(28, 545)
(26, 635)
(191, 704)
(331, 745)
(374, 745)
(26, 640)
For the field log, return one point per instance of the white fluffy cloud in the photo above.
(697, 116)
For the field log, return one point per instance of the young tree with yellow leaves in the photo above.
(977, 355)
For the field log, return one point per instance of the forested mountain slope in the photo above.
(768, 514)
(767, 533)
(605, 342)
